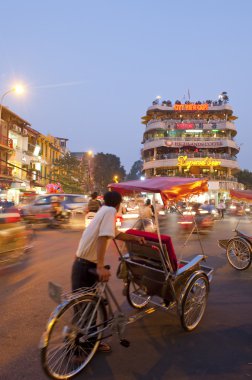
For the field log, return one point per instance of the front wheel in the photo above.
(194, 302)
(239, 253)
(136, 295)
(73, 337)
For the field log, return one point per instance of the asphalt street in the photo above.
(220, 347)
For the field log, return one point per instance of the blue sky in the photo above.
(93, 68)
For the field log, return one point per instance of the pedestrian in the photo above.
(145, 220)
(94, 204)
(221, 208)
(147, 212)
(93, 245)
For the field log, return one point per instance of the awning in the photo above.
(37, 184)
(170, 188)
(241, 195)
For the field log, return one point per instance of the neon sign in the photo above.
(191, 107)
(207, 161)
(185, 125)
(197, 144)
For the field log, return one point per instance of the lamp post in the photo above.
(90, 179)
(18, 89)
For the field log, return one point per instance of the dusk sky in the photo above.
(93, 67)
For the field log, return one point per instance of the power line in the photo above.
(30, 170)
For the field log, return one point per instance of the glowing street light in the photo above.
(90, 155)
(18, 89)
(115, 179)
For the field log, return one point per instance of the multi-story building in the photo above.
(26, 156)
(51, 149)
(192, 139)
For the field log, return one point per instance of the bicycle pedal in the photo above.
(125, 343)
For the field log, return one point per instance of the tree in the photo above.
(105, 167)
(69, 172)
(136, 170)
(245, 177)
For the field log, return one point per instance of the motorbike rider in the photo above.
(57, 209)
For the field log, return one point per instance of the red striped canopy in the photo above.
(170, 188)
(242, 195)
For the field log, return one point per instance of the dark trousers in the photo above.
(81, 277)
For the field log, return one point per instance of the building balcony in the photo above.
(198, 142)
(166, 156)
(214, 106)
(172, 161)
(198, 124)
(5, 142)
(5, 171)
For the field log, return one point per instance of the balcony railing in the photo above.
(6, 170)
(166, 156)
(192, 138)
(8, 143)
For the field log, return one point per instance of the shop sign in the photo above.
(191, 107)
(185, 126)
(207, 161)
(197, 144)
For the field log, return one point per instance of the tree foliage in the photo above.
(69, 172)
(105, 167)
(245, 177)
(135, 171)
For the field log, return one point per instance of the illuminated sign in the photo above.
(185, 125)
(191, 107)
(197, 144)
(194, 131)
(207, 161)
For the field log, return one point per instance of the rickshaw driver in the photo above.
(93, 245)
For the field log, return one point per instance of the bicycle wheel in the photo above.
(73, 337)
(136, 295)
(239, 253)
(194, 302)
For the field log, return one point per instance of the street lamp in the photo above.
(115, 178)
(90, 180)
(18, 89)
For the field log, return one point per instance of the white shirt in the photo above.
(103, 224)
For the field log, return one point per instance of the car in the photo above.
(40, 208)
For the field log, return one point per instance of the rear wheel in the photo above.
(73, 337)
(194, 302)
(239, 253)
(136, 295)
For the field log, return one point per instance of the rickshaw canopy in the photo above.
(170, 188)
(242, 195)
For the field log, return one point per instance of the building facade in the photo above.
(192, 139)
(26, 156)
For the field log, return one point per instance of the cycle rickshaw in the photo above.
(239, 247)
(153, 280)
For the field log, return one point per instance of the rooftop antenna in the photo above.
(188, 94)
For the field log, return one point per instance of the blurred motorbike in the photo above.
(15, 238)
(203, 219)
(60, 220)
